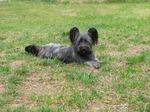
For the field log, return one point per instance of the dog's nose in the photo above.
(83, 48)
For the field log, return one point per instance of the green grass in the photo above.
(31, 84)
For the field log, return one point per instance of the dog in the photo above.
(80, 50)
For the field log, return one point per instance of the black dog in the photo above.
(79, 51)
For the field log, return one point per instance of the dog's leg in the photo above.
(93, 63)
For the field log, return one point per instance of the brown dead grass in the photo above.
(23, 100)
(2, 54)
(135, 49)
(142, 12)
(97, 106)
(132, 50)
(114, 53)
(2, 85)
(145, 69)
(109, 10)
(16, 64)
(2, 88)
(79, 1)
(105, 82)
(121, 63)
(41, 83)
(111, 101)
(69, 13)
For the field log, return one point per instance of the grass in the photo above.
(28, 83)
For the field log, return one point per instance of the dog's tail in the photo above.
(33, 49)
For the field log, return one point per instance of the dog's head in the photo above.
(83, 42)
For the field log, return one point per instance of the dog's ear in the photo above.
(94, 35)
(74, 32)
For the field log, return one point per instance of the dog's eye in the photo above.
(83, 40)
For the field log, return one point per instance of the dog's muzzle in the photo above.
(84, 50)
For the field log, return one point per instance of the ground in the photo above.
(28, 83)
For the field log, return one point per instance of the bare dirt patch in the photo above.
(145, 69)
(111, 102)
(105, 82)
(23, 100)
(2, 88)
(109, 10)
(41, 83)
(2, 54)
(114, 53)
(142, 12)
(102, 106)
(135, 49)
(16, 64)
(19, 101)
(120, 63)
(69, 13)
(38, 83)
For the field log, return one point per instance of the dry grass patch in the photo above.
(115, 102)
(110, 10)
(136, 49)
(120, 63)
(41, 83)
(142, 12)
(2, 54)
(145, 69)
(80, 1)
(2, 88)
(105, 82)
(21, 100)
(96, 106)
(17, 63)
(3, 84)
(69, 13)
(114, 53)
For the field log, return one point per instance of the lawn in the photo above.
(31, 84)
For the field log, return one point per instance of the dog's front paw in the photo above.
(94, 64)
(32, 49)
